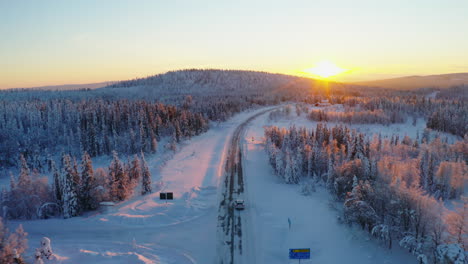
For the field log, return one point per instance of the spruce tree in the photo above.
(118, 176)
(88, 183)
(154, 143)
(288, 171)
(76, 174)
(12, 182)
(24, 179)
(70, 205)
(134, 173)
(57, 184)
(146, 175)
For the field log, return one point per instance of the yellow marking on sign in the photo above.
(301, 250)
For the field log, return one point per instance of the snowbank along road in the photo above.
(229, 222)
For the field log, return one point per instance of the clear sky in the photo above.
(64, 42)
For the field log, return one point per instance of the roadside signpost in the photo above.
(169, 196)
(299, 253)
(166, 196)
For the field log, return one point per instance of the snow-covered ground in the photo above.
(147, 230)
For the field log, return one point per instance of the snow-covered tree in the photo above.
(12, 245)
(450, 254)
(24, 178)
(451, 179)
(146, 177)
(382, 232)
(70, 200)
(288, 170)
(135, 172)
(457, 224)
(154, 143)
(58, 184)
(119, 179)
(44, 252)
(88, 201)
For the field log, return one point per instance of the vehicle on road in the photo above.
(239, 205)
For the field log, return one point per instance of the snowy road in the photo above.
(232, 245)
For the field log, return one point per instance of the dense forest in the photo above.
(76, 188)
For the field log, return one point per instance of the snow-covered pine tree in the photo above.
(330, 170)
(4, 201)
(154, 142)
(134, 174)
(142, 137)
(271, 149)
(12, 182)
(366, 167)
(297, 166)
(146, 177)
(288, 170)
(24, 178)
(279, 169)
(177, 131)
(119, 177)
(133, 144)
(88, 202)
(173, 143)
(76, 175)
(313, 161)
(57, 185)
(70, 201)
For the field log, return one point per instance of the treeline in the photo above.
(448, 112)
(75, 188)
(37, 129)
(351, 116)
(453, 93)
(451, 118)
(393, 188)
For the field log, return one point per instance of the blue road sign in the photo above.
(299, 253)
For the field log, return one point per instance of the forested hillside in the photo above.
(131, 116)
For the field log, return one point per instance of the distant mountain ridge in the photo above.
(192, 79)
(416, 82)
(218, 82)
(65, 87)
(214, 82)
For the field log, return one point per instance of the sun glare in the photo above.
(325, 69)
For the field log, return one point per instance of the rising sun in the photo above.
(325, 69)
